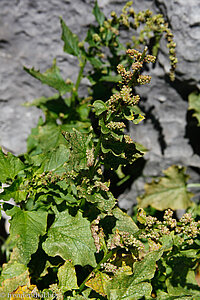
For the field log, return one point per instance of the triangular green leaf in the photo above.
(98, 14)
(25, 230)
(70, 40)
(10, 166)
(52, 78)
(70, 237)
(124, 222)
(168, 192)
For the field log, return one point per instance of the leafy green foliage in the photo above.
(68, 237)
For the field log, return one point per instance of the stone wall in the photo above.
(30, 35)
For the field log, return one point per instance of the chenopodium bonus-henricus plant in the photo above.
(68, 236)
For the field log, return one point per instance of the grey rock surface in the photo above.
(30, 35)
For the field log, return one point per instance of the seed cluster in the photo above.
(95, 230)
(124, 240)
(115, 125)
(130, 78)
(187, 229)
(90, 157)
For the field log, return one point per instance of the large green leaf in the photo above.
(10, 166)
(25, 230)
(98, 14)
(194, 104)
(70, 237)
(67, 277)
(135, 286)
(70, 40)
(14, 274)
(168, 192)
(52, 78)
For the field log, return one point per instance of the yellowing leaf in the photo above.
(169, 191)
(98, 283)
(13, 275)
(27, 292)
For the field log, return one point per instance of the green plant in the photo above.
(67, 235)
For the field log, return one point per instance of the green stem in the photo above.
(191, 185)
(82, 66)
(105, 258)
(97, 150)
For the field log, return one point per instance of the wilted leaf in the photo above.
(169, 192)
(67, 277)
(194, 104)
(25, 230)
(10, 166)
(70, 237)
(70, 40)
(52, 78)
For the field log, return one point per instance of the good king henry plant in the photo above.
(68, 238)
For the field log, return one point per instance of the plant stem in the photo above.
(105, 258)
(82, 66)
(191, 185)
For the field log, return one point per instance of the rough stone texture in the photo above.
(30, 35)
